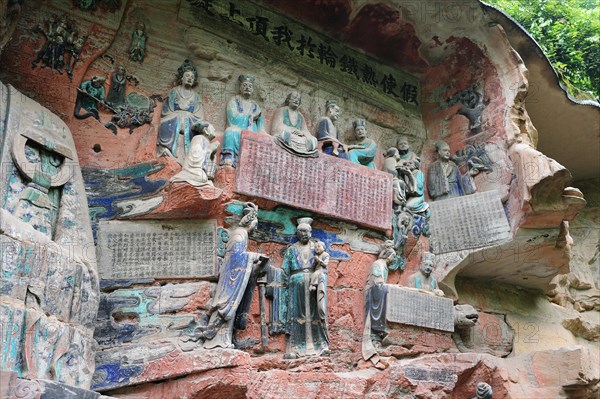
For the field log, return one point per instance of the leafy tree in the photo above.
(569, 33)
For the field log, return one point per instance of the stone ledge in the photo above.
(160, 360)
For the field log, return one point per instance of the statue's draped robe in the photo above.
(298, 299)
(239, 119)
(364, 155)
(375, 306)
(283, 128)
(176, 119)
(327, 133)
(447, 182)
(233, 282)
(416, 201)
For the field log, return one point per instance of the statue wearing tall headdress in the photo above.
(235, 287)
(303, 311)
(182, 116)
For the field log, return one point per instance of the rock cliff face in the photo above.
(522, 250)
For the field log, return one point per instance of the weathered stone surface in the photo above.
(408, 306)
(491, 334)
(219, 383)
(150, 313)
(48, 283)
(323, 185)
(44, 389)
(157, 361)
(573, 374)
(143, 249)
(470, 221)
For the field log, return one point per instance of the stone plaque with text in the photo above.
(158, 249)
(472, 221)
(414, 308)
(427, 374)
(325, 185)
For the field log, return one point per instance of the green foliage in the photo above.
(569, 33)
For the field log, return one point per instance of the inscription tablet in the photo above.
(325, 185)
(158, 249)
(414, 308)
(472, 221)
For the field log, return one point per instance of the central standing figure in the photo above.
(305, 325)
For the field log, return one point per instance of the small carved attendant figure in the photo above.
(327, 133)
(321, 262)
(364, 150)
(217, 326)
(89, 94)
(74, 48)
(116, 93)
(138, 43)
(289, 128)
(409, 169)
(422, 279)
(242, 114)
(182, 113)
(484, 391)
(305, 312)
(444, 179)
(197, 169)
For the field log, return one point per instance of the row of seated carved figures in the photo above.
(185, 134)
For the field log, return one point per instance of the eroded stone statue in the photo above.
(408, 167)
(303, 311)
(410, 208)
(327, 133)
(290, 130)
(137, 49)
(422, 279)
(375, 301)
(445, 179)
(363, 151)
(117, 91)
(89, 95)
(49, 290)
(199, 166)
(237, 279)
(243, 113)
(182, 115)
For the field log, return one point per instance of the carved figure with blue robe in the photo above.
(182, 113)
(237, 278)
(303, 311)
(422, 279)
(375, 301)
(364, 150)
(444, 179)
(327, 133)
(242, 114)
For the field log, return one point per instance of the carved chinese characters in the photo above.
(324, 185)
(142, 249)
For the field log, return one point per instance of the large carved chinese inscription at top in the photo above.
(305, 50)
(324, 185)
(478, 219)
